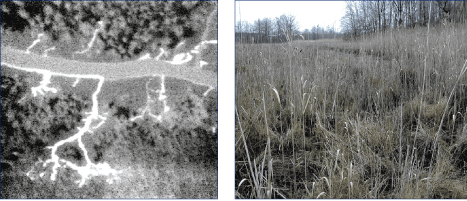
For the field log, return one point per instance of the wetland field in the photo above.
(380, 116)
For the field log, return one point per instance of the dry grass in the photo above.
(381, 117)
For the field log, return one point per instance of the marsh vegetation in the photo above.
(381, 116)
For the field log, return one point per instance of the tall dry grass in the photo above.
(381, 117)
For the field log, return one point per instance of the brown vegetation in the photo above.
(381, 117)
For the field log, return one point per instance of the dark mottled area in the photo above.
(129, 27)
(122, 112)
(72, 152)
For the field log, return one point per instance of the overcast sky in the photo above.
(307, 13)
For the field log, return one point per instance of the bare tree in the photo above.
(268, 28)
(349, 22)
(238, 27)
(445, 10)
(258, 30)
(307, 34)
(288, 25)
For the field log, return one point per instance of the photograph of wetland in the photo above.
(364, 99)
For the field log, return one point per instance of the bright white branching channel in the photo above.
(91, 169)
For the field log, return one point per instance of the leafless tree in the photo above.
(268, 28)
(288, 25)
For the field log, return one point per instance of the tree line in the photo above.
(360, 17)
(374, 16)
(280, 29)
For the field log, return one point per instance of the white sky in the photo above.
(307, 13)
